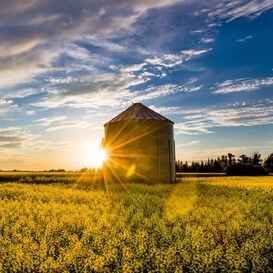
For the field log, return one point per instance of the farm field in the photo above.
(51, 177)
(201, 224)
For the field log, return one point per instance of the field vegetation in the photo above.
(201, 224)
(65, 177)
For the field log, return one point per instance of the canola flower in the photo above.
(215, 224)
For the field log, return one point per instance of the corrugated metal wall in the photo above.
(139, 151)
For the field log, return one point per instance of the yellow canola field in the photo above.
(250, 182)
(214, 224)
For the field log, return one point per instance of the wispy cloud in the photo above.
(132, 68)
(6, 106)
(240, 85)
(198, 121)
(30, 113)
(168, 110)
(68, 125)
(160, 65)
(13, 137)
(248, 37)
(22, 67)
(231, 10)
(171, 60)
(166, 90)
(18, 93)
(227, 11)
(207, 40)
(105, 89)
(49, 120)
(189, 143)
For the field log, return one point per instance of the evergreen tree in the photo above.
(231, 158)
(268, 163)
(243, 159)
(256, 159)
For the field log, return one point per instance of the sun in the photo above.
(97, 157)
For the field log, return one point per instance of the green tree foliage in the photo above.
(231, 158)
(224, 162)
(243, 159)
(268, 163)
(245, 169)
(256, 159)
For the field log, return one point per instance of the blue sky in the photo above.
(68, 67)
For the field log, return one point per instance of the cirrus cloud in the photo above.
(198, 121)
(242, 85)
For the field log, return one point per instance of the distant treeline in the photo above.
(226, 162)
(93, 170)
(85, 169)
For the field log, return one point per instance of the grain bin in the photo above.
(140, 147)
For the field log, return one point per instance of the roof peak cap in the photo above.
(138, 111)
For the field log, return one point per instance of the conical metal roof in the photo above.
(138, 111)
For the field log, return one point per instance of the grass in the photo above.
(198, 174)
(202, 224)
